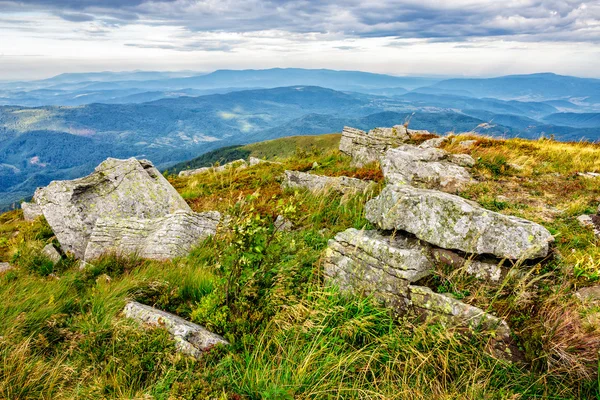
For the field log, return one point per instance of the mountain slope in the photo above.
(577, 120)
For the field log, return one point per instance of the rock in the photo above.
(589, 294)
(283, 224)
(355, 252)
(5, 267)
(434, 143)
(370, 264)
(451, 222)
(50, 251)
(464, 160)
(191, 339)
(116, 189)
(414, 132)
(467, 143)
(82, 265)
(237, 164)
(31, 211)
(589, 174)
(319, 183)
(590, 221)
(315, 165)
(486, 270)
(429, 167)
(154, 238)
(255, 161)
(368, 147)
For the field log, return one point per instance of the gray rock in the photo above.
(590, 221)
(255, 161)
(429, 167)
(191, 339)
(452, 222)
(283, 224)
(154, 238)
(31, 211)
(354, 252)
(467, 143)
(5, 267)
(434, 143)
(116, 189)
(486, 270)
(413, 132)
(237, 164)
(589, 294)
(368, 147)
(50, 251)
(319, 183)
(464, 160)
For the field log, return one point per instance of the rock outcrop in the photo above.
(31, 211)
(366, 147)
(191, 339)
(319, 184)
(117, 189)
(451, 222)
(427, 167)
(237, 164)
(154, 238)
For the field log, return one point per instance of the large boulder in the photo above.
(191, 339)
(154, 238)
(320, 184)
(451, 222)
(368, 147)
(427, 167)
(116, 189)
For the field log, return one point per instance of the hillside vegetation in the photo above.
(293, 336)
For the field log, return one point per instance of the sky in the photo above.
(42, 38)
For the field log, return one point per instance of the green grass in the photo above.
(292, 336)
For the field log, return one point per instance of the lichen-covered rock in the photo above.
(368, 147)
(428, 167)
(50, 251)
(31, 211)
(451, 222)
(237, 164)
(354, 252)
(191, 339)
(116, 189)
(319, 183)
(489, 270)
(156, 238)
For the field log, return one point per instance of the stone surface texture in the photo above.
(366, 147)
(451, 222)
(319, 183)
(156, 238)
(116, 189)
(427, 167)
(237, 164)
(4, 267)
(31, 211)
(191, 339)
(50, 251)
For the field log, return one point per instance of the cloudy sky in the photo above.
(40, 38)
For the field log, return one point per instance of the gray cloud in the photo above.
(459, 20)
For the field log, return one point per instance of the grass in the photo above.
(62, 335)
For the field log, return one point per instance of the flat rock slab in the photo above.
(428, 167)
(451, 222)
(354, 252)
(366, 147)
(116, 189)
(237, 164)
(191, 339)
(320, 184)
(158, 238)
(31, 211)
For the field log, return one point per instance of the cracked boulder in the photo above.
(366, 147)
(116, 189)
(427, 167)
(161, 238)
(190, 338)
(320, 184)
(451, 222)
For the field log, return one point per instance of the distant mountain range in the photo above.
(187, 114)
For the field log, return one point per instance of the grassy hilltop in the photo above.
(62, 336)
